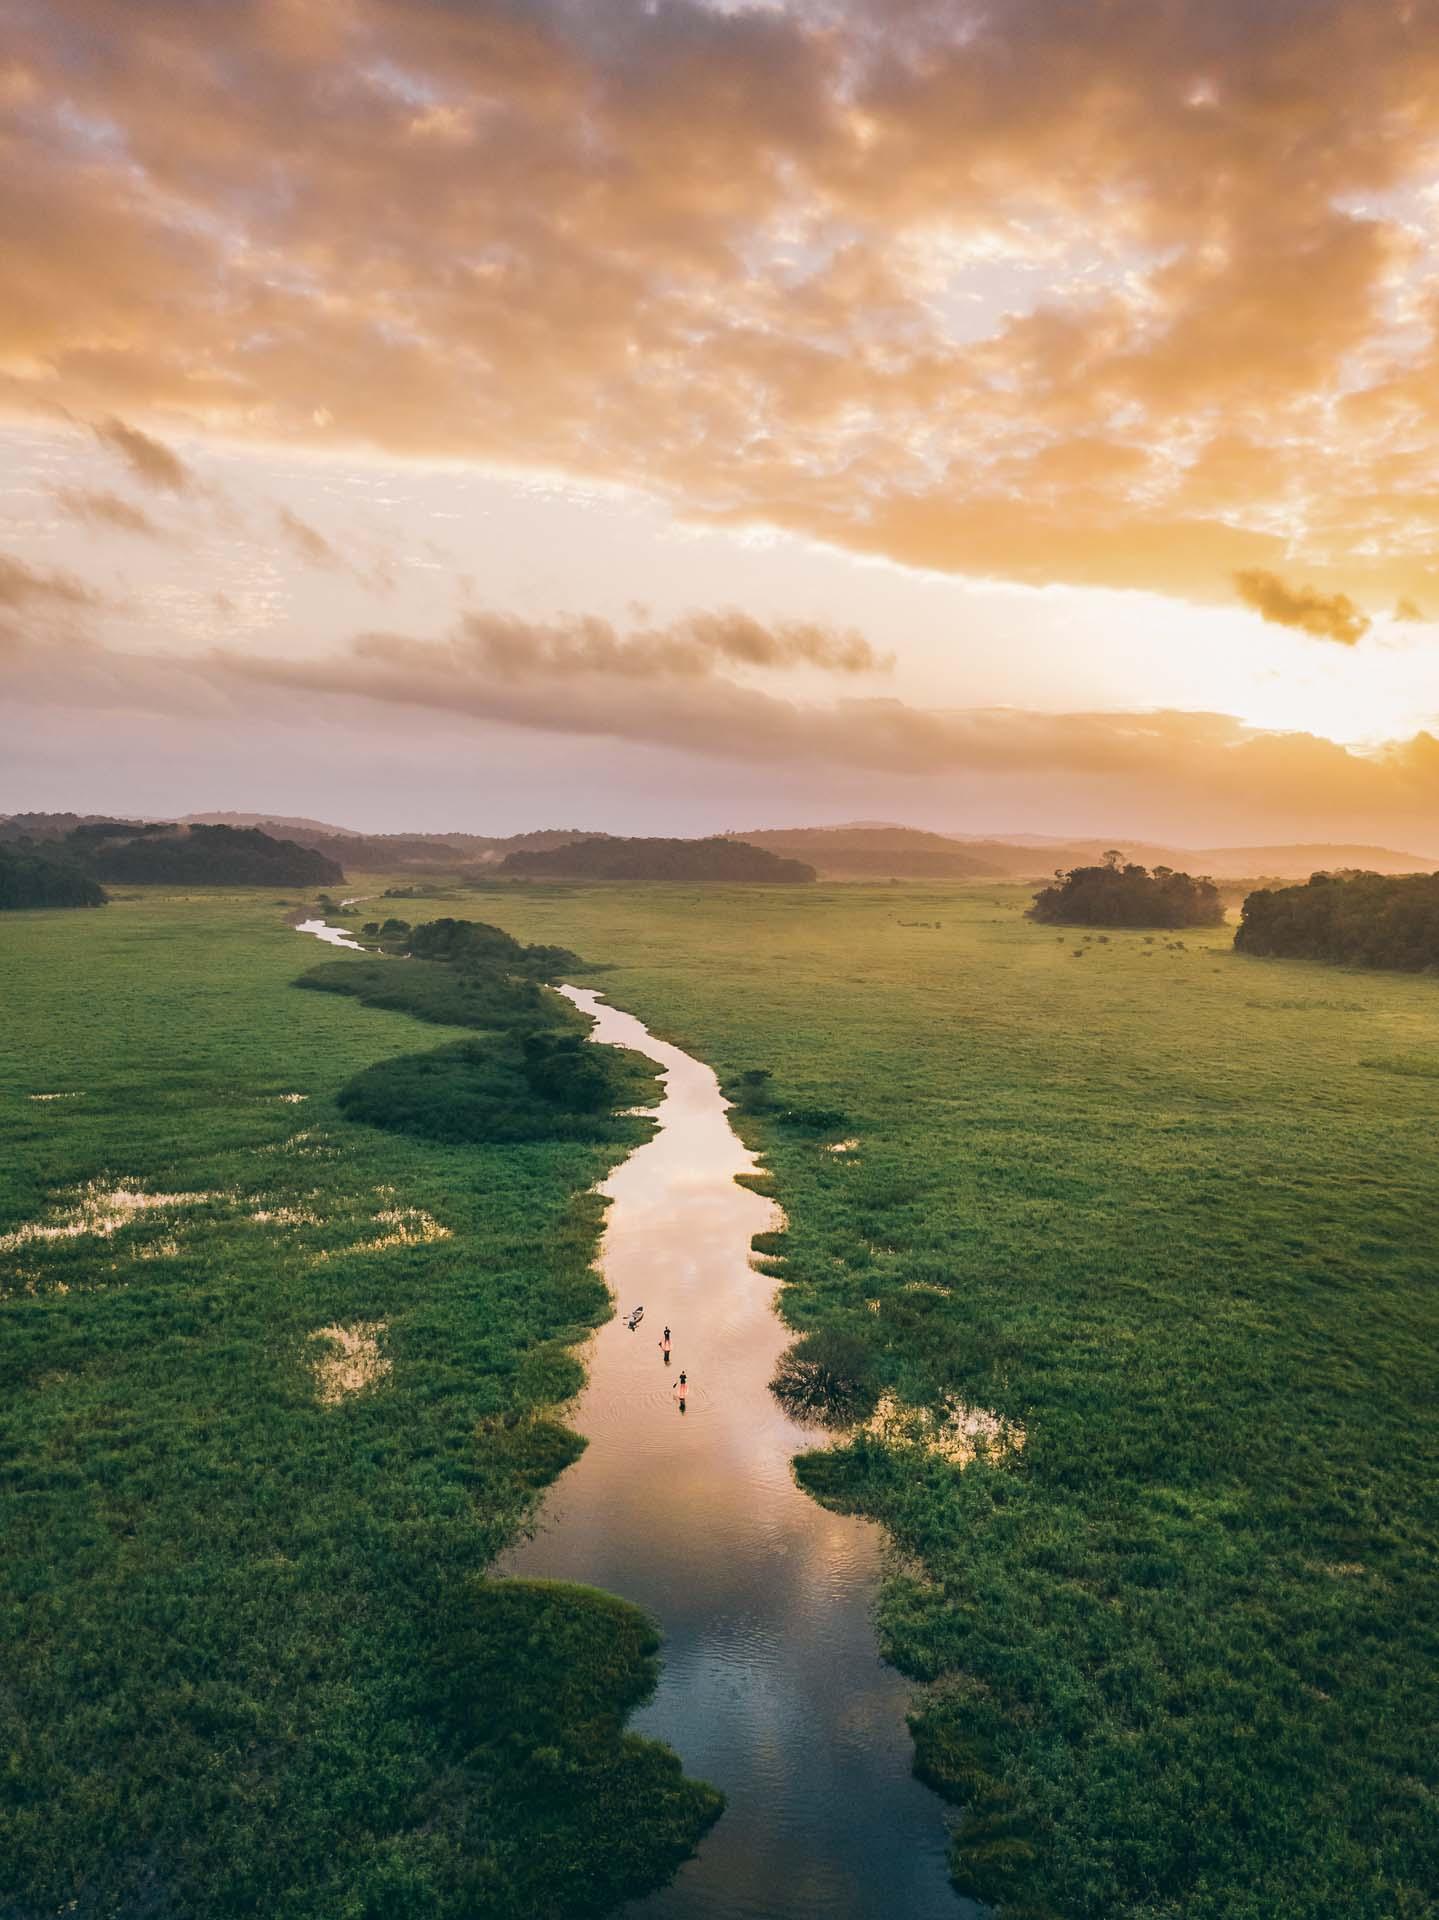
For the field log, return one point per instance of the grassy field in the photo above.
(1172, 1213)
(250, 1663)
(1166, 1212)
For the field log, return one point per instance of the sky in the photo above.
(489, 414)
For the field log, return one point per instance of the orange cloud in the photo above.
(148, 459)
(307, 542)
(1110, 294)
(102, 508)
(22, 586)
(576, 684)
(1329, 616)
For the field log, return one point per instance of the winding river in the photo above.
(771, 1686)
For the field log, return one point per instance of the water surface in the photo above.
(332, 936)
(771, 1688)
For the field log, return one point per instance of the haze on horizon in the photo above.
(466, 414)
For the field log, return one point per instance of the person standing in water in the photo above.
(665, 1345)
(681, 1389)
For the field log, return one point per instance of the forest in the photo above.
(32, 876)
(1120, 894)
(160, 854)
(1360, 919)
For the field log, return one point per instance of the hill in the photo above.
(865, 852)
(1027, 856)
(45, 826)
(645, 859)
(281, 825)
(134, 854)
(32, 876)
(416, 852)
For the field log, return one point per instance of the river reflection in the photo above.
(772, 1687)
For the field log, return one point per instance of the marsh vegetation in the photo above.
(275, 1388)
(1129, 1288)
(1176, 1652)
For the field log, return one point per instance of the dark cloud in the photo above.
(694, 645)
(101, 508)
(22, 587)
(150, 460)
(310, 545)
(1328, 616)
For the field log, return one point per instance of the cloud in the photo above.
(102, 508)
(310, 545)
(385, 688)
(1113, 294)
(1329, 616)
(695, 645)
(1406, 609)
(22, 587)
(151, 461)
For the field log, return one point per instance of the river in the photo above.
(771, 1686)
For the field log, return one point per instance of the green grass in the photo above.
(251, 1663)
(1168, 1209)
(1172, 1211)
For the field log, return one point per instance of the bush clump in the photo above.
(474, 944)
(827, 1378)
(1120, 894)
(505, 1089)
(1358, 919)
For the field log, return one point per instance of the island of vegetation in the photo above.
(32, 876)
(1120, 894)
(642, 859)
(533, 1076)
(1358, 919)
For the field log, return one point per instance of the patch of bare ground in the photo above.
(348, 1360)
(959, 1435)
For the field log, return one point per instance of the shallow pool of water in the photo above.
(332, 936)
(771, 1688)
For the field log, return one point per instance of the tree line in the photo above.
(1359, 919)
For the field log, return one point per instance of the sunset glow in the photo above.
(1076, 363)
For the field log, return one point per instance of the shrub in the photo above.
(827, 1378)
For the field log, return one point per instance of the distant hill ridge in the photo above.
(875, 852)
(864, 849)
